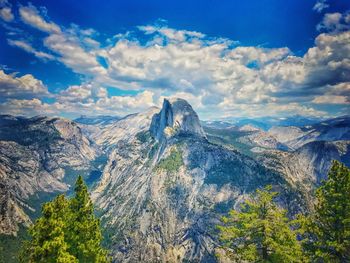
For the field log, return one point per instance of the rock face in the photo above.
(124, 129)
(176, 116)
(330, 130)
(307, 166)
(162, 191)
(34, 154)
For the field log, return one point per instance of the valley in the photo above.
(161, 179)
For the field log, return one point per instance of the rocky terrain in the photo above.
(308, 165)
(161, 179)
(35, 154)
(163, 189)
(328, 130)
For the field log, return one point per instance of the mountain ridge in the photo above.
(165, 180)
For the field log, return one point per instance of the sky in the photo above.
(250, 58)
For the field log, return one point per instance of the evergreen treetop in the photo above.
(67, 231)
(260, 232)
(327, 229)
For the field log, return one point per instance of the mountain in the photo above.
(247, 139)
(265, 123)
(308, 165)
(164, 188)
(124, 129)
(36, 157)
(160, 179)
(97, 120)
(329, 130)
(176, 117)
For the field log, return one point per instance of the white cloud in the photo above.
(24, 86)
(320, 6)
(215, 74)
(31, 16)
(124, 104)
(268, 109)
(336, 94)
(73, 55)
(6, 14)
(6, 11)
(27, 107)
(334, 22)
(330, 99)
(27, 47)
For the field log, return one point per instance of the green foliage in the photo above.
(326, 231)
(48, 234)
(260, 232)
(10, 245)
(84, 235)
(67, 231)
(173, 162)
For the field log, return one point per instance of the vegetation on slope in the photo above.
(67, 231)
(260, 231)
(173, 162)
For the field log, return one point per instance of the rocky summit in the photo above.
(160, 181)
(164, 189)
(176, 116)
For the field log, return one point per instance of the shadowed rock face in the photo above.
(33, 156)
(176, 116)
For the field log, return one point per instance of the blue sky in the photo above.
(227, 58)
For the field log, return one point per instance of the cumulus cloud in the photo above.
(334, 22)
(215, 74)
(336, 94)
(268, 109)
(73, 55)
(21, 87)
(27, 107)
(330, 99)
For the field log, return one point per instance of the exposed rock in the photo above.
(33, 156)
(308, 165)
(176, 116)
(161, 194)
(124, 129)
(331, 130)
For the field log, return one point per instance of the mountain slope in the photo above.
(36, 156)
(164, 188)
(330, 130)
(308, 165)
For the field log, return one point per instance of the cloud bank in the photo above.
(218, 76)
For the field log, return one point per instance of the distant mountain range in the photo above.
(265, 123)
(161, 179)
(94, 120)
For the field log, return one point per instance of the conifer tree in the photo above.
(84, 235)
(48, 244)
(260, 232)
(327, 229)
(67, 232)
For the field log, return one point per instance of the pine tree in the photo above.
(260, 232)
(67, 232)
(327, 229)
(84, 235)
(48, 244)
